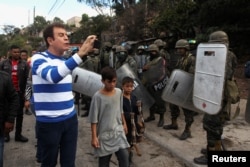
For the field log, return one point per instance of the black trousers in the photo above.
(19, 117)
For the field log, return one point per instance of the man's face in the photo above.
(15, 53)
(60, 43)
(24, 56)
(181, 51)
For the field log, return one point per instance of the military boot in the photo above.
(204, 151)
(186, 133)
(173, 125)
(161, 120)
(151, 117)
(202, 160)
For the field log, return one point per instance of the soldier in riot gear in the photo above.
(123, 57)
(92, 64)
(141, 59)
(160, 45)
(213, 124)
(185, 63)
(163, 52)
(105, 53)
(154, 79)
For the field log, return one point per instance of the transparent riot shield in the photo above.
(139, 90)
(179, 90)
(86, 82)
(209, 77)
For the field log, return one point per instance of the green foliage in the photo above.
(176, 18)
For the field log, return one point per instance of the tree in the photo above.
(58, 20)
(39, 24)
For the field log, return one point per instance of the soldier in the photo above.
(154, 79)
(104, 57)
(185, 63)
(213, 124)
(123, 57)
(141, 60)
(160, 45)
(92, 64)
(163, 52)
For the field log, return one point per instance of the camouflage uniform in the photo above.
(141, 59)
(213, 124)
(186, 63)
(92, 64)
(163, 53)
(105, 53)
(125, 58)
(154, 79)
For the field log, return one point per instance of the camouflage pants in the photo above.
(175, 112)
(213, 124)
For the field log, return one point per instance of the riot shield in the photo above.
(139, 90)
(111, 59)
(179, 90)
(209, 77)
(86, 82)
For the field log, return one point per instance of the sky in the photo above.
(20, 12)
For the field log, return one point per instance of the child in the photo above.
(108, 125)
(130, 107)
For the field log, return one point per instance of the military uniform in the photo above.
(123, 58)
(163, 53)
(186, 63)
(213, 124)
(105, 54)
(141, 59)
(92, 64)
(154, 79)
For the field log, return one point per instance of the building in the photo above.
(74, 21)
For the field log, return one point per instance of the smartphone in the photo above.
(97, 44)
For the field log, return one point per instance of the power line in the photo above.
(59, 6)
(52, 7)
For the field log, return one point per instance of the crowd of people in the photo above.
(43, 83)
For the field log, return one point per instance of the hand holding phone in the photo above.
(97, 44)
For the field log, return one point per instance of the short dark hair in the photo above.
(127, 80)
(108, 73)
(14, 47)
(24, 50)
(49, 31)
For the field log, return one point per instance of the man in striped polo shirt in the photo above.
(57, 125)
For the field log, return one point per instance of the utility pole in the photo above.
(34, 14)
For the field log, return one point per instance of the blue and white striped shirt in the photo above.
(52, 86)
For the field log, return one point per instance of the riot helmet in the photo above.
(120, 49)
(121, 53)
(182, 43)
(107, 44)
(159, 43)
(153, 47)
(140, 50)
(153, 51)
(219, 36)
(141, 47)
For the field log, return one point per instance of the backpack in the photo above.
(247, 69)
